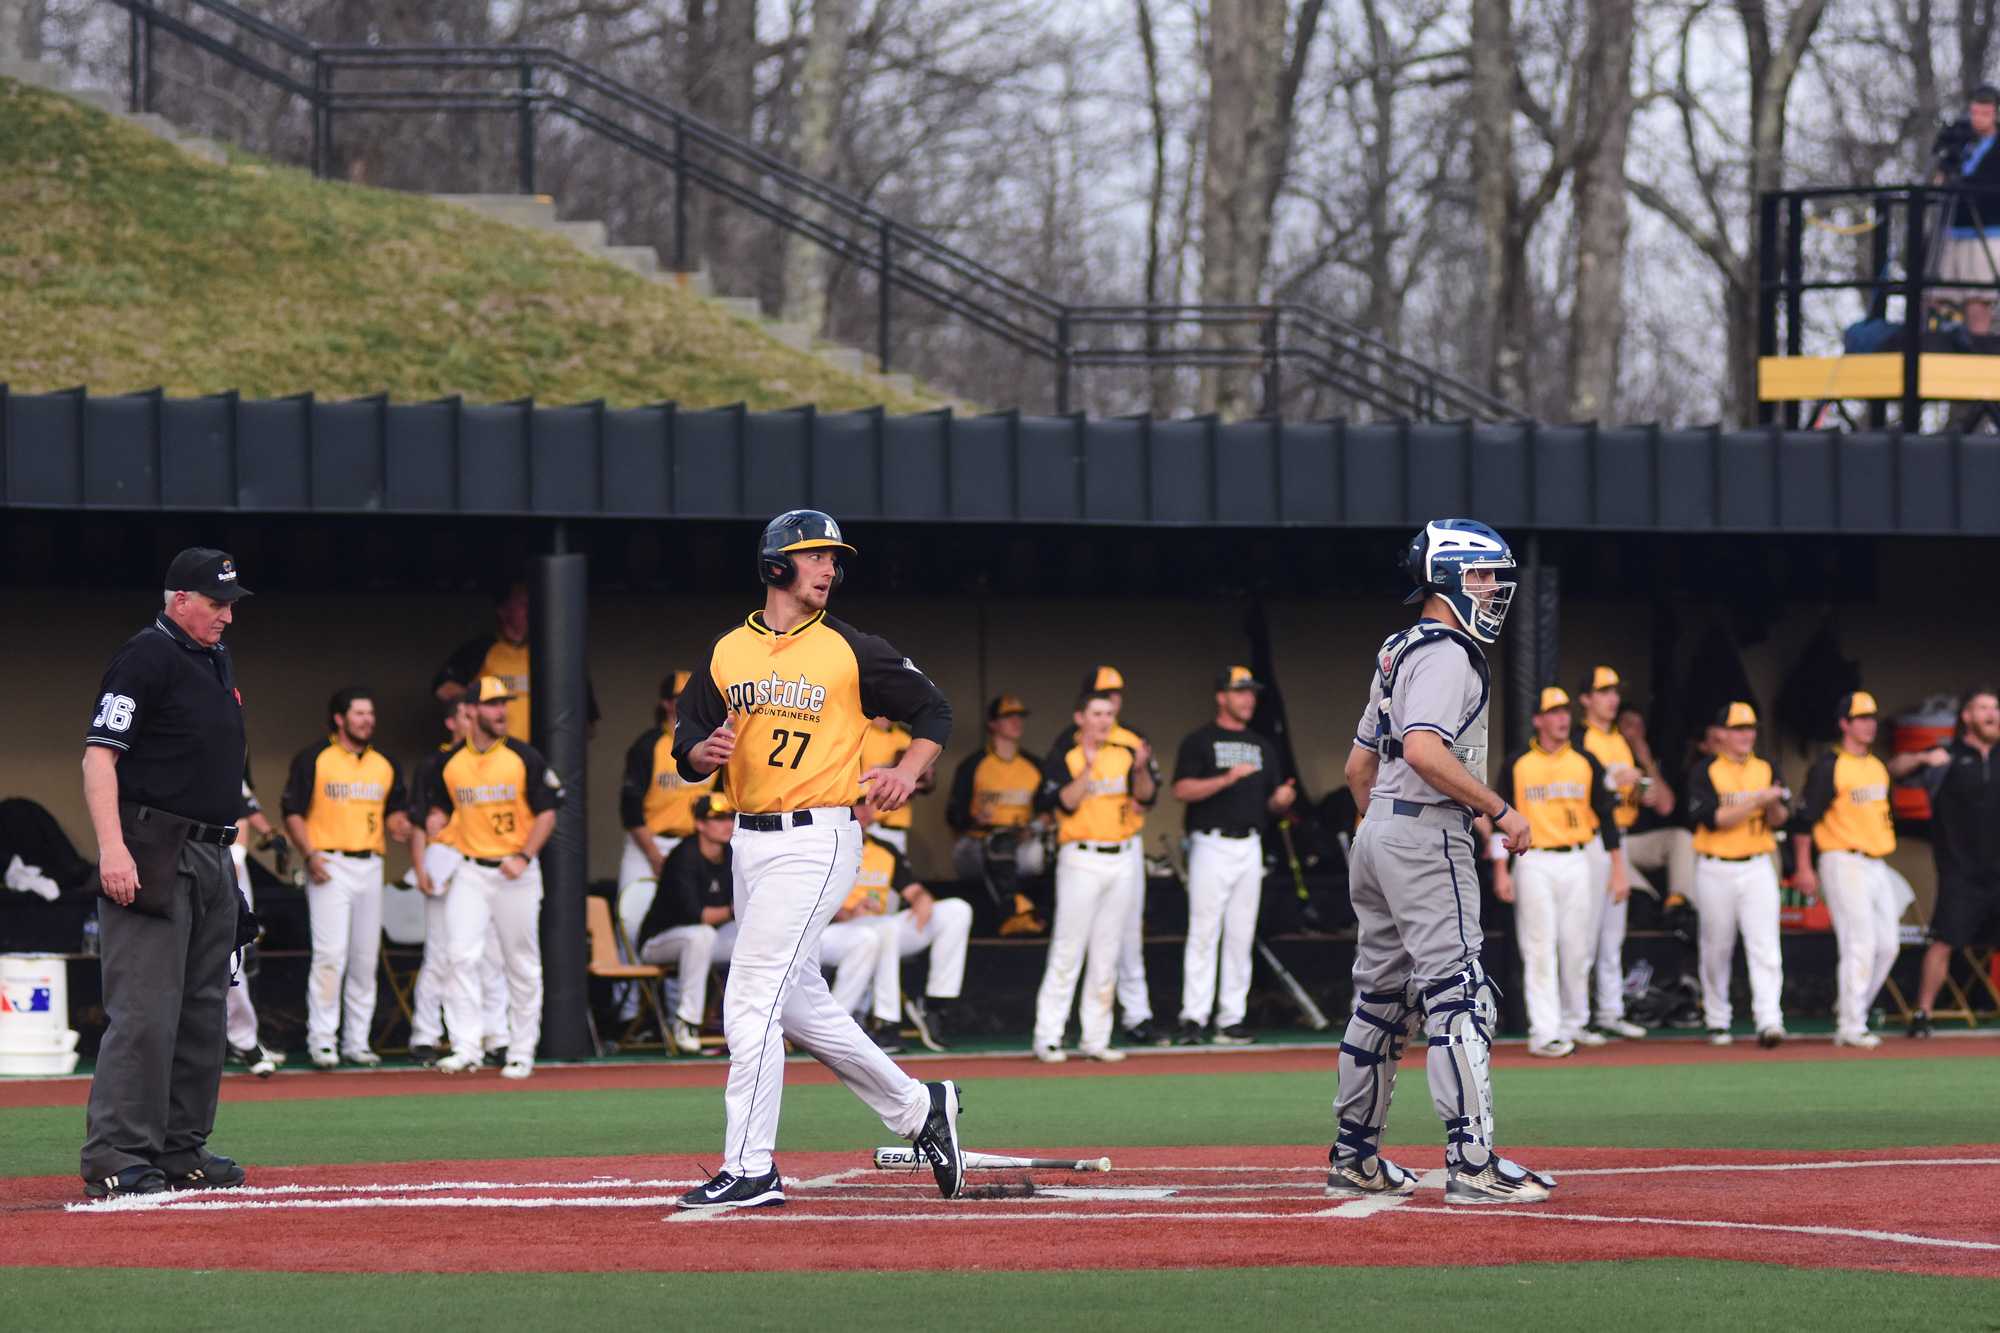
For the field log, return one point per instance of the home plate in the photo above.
(1104, 1192)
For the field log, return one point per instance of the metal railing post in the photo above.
(133, 58)
(1913, 305)
(1795, 314)
(1767, 294)
(1062, 363)
(525, 149)
(319, 117)
(680, 196)
(1271, 373)
(882, 303)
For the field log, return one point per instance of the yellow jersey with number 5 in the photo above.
(800, 702)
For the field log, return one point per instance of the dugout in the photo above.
(1001, 552)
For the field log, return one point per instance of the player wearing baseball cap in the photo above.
(991, 808)
(1735, 804)
(1599, 698)
(1569, 805)
(1847, 806)
(1228, 776)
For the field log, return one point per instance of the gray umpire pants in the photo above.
(166, 982)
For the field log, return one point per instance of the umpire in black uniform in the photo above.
(163, 775)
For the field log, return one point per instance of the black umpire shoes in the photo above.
(938, 1140)
(140, 1179)
(729, 1190)
(210, 1173)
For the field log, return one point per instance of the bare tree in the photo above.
(21, 29)
(1597, 309)
(1254, 72)
(1716, 220)
(817, 151)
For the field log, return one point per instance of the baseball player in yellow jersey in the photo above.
(656, 809)
(883, 746)
(341, 797)
(434, 975)
(991, 806)
(503, 654)
(499, 796)
(1135, 1001)
(1735, 803)
(1090, 785)
(1635, 784)
(1568, 804)
(1847, 804)
(780, 708)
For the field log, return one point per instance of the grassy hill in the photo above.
(126, 264)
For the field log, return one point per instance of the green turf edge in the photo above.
(1810, 1106)
(1681, 1294)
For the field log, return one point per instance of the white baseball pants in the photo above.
(239, 1014)
(1667, 852)
(479, 898)
(634, 865)
(945, 935)
(346, 917)
(851, 948)
(690, 951)
(427, 998)
(1866, 899)
(1610, 949)
(1225, 885)
(1135, 1001)
(788, 885)
(1557, 932)
(1093, 904)
(1735, 897)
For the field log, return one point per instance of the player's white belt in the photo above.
(778, 823)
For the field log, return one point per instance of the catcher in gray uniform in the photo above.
(1414, 771)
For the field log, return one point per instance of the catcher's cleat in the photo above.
(1498, 1181)
(1355, 1180)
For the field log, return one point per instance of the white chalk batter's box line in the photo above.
(1215, 1206)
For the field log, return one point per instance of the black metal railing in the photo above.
(541, 83)
(1879, 246)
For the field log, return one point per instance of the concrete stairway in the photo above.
(539, 212)
(52, 77)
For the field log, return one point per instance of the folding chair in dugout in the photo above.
(402, 933)
(606, 943)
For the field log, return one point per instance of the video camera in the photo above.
(1948, 148)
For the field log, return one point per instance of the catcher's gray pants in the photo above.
(166, 981)
(1416, 902)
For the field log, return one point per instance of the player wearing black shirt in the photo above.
(1228, 778)
(163, 779)
(693, 902)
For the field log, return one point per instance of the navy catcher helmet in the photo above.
(1438, 559)
(797, 530)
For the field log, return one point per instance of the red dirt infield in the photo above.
(1929, 1210)
(291, 1084)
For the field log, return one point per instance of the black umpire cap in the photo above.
(209, 572)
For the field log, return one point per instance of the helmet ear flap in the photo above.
(776, 569)
(839, 571)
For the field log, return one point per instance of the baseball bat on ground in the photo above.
(1315, 1017)
(907, 1159)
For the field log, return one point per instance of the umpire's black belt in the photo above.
(219, 835)
(1228, 832)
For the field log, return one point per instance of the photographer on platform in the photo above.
(1966, 252)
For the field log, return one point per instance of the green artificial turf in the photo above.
(1807, 1105)
(1675, 1294)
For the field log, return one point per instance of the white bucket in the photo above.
(35, 1035)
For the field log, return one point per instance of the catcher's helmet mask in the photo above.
(798, 530)
(1438, 559)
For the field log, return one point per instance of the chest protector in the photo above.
(1468, 741)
